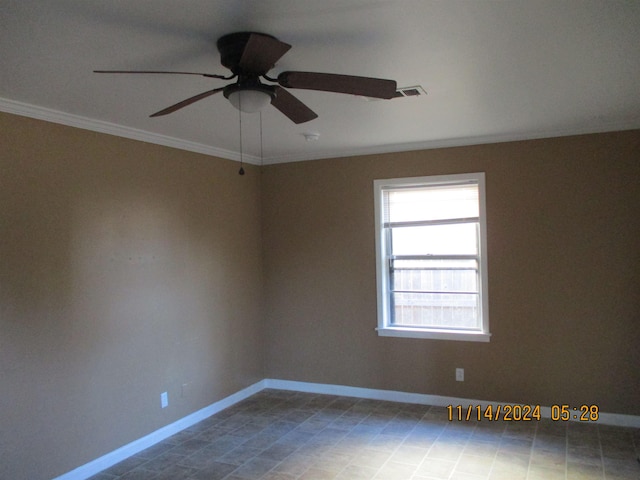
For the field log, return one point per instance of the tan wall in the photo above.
(564, 275)
(126, 270)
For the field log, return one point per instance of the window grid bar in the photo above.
(445, 292)
(412, 186)
(427, 223)
(437, 269)
(444, 328)
(433, 257)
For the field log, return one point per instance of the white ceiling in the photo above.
(493, 70)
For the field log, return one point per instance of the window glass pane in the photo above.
(435, 275)
(436, 310)
(431, 257)
(431, 203)
(458, 239)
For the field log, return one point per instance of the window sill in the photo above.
(406, 332)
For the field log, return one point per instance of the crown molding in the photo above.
(54, 116)
(453, 142)
(50, 115)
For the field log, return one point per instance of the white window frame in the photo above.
(382, 261)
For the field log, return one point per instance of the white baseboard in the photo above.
(615, 419)
(99, 464)
(95, 466)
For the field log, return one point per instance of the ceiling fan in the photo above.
(249, 56)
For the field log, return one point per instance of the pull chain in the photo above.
(241, 171)
(261, 152)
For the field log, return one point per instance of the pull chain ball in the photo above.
(241, 171)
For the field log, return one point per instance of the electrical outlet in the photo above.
(164, 400)
(459, 374)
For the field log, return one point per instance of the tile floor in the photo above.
(278, 435)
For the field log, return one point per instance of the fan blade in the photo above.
(186, 102)
(209, 75)
(293, 108)
(331, 82)
(261, 53)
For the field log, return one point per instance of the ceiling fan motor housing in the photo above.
(233, 46)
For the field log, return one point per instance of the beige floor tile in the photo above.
(475, 465)
(357, 472)
(436, 468)
(371, 458)
(584, 471)
(318, 474)
(445, 451)
(396, 471)
(543, 473)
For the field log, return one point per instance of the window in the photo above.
(431, 257)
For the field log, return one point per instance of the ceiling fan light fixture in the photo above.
(249, 100)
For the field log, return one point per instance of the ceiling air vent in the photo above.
(415, 91)
(410, 91)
